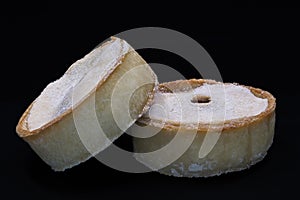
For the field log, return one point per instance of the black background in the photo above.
(252, 43)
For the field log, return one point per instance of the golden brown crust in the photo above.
(185, 85)
(22, 126)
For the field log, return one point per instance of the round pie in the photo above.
(200, 128)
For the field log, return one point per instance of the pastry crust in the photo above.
(243, 141)
(183, 85)
(57, 142)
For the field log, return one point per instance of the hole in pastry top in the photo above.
(206, 102)
(200, 99)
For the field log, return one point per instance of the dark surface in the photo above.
(251, 44)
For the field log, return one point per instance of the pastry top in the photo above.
(202, 104)
(80, 80)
